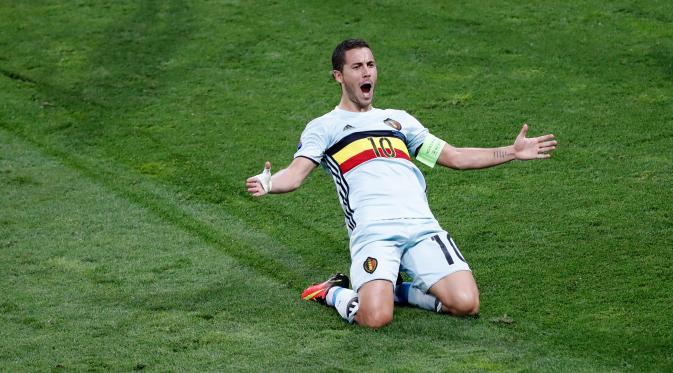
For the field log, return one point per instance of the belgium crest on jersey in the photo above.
(393, 123)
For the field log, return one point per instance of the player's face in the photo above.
(358, 79)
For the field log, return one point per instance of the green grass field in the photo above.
(127, 130)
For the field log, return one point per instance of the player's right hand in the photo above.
(260, 185)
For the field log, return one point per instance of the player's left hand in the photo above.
(260, 185)
(526, 148)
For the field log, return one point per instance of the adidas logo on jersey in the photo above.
(348, 127)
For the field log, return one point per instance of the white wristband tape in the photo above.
(430, 150)
(265, 179)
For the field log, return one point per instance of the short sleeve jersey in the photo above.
(368, 154)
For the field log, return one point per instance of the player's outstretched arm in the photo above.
(283, 181)
(524, 148)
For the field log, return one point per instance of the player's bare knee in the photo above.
(470, 307)
(378, 321)
(461, 303)
(466, 303)
(376, 318)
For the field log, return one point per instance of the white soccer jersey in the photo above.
(368, 155)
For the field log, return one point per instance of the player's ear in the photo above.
(338, 76)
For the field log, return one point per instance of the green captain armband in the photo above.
(430, 150)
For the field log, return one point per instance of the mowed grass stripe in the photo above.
(95, 281)
(212, 224)
(129, 58)
(200, 187)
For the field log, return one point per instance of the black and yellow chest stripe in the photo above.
(360, 147)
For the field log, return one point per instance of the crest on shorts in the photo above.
(393, 123)
(370, 264)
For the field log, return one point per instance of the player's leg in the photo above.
(375, 266)
(376, 304)
(407, 294)
(375, 263)
(371, 306)
(443, 281)
(334, 293)
(458, 293)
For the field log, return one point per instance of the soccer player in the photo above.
(368, 153)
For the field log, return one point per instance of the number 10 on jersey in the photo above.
(385, 148)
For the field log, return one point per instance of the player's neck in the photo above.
(348, 105)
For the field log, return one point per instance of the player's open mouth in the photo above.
(366, 88)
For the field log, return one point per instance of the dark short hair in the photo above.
(339, 54)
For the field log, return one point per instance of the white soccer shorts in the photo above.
(419, 247)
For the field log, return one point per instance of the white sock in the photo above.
(405, 293)
(344, 300)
